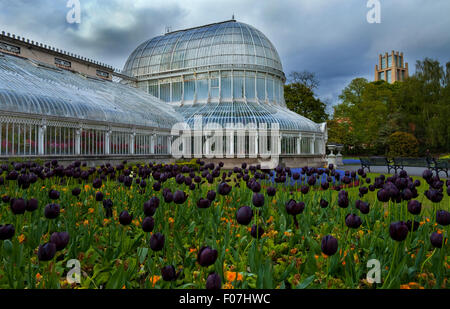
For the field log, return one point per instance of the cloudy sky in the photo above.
(329, 37)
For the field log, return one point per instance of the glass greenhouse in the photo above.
(230, 75)
(47, 111)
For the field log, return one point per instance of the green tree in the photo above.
(300, 98)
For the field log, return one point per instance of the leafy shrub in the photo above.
(402, 144)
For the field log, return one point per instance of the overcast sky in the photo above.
(329, 37)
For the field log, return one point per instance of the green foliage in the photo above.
(402, 144)
(300, 99)
(370, 112)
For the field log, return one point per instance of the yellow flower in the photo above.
(86, 222)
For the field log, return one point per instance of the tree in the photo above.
(306, 78)
(301, 100)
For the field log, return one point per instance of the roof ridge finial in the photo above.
(232, 17)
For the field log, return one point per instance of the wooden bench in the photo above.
(440, 166)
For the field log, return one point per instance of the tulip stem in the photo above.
(423, 264)
(392, 264)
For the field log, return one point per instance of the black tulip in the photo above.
(271, 191)
(148, 224)
(207, 256)
(244, 215)
(157, 242)
(443, 217)
(53, 194)
(329, 245)
(256, 232)
(99, 196)
(203, 203)
(211, 195)
(51, 211)
(179, 197)
(353, 221)
(60, 239)
(76, 191)
(46, 252)
(213, 282)
(398, 230)
(436, 239)
(168, 273)
(323, 203)
(125, 218)
(224, 188)
(414, 207)
(18, 206)
(97, 183)
(412, 225)
(293, 208)
(258, 199)
(7, 231)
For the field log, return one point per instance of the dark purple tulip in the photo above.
(437, 239)
(224, 188)
(256, 232)
(150, 206)
(293, 208)
(97, 183)
(213, 282)
(353, 221)
(434, 195)
(271, 191)
(304, 189)
(398, 230)
(325, 185)
(244, 215)
(363, 207)
(258, 199)
(427, 174)
(207, 256)
(46, 252)
(323, 203)
(99, 196)
(343, 201)
(7, 231)
(203, 203)
(125, 218)
(414, 207)
(179, 197)
(51, 211)
(256, 187)
(157, 242)
(5, 199)
(60, 239)
(211, 195)
(168, 197)
(329, 245)
(157, 186)
(53, 194)
(443, 217)
(18, 206)
(76, 191)
(148, 224)
(383, 195)
(412, 225)
(168, 273)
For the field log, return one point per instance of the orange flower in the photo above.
(21, 238)
(154, 279)
(171, 220)
(232, 276)
(405, 287)
(86, 222)
(91, 210)
(38, 276)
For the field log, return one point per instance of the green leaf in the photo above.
(305, 283)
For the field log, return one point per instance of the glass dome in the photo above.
(228, 43)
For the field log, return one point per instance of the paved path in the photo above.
(411, 170)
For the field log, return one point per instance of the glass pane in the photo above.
(177, 91)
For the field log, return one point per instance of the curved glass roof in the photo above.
(227, 43)
(26, 87)
(225, 114)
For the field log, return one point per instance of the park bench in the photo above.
(380, 161)
(440, 166)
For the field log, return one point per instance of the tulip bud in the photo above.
(323, 203)
(18, 206)
(244, 215)
(51, 211)
(53, 194)
(60, 240)
(125, 218)
(412, 225)
(256, 232)
(168, 273)
(76, 191)
(398, 230)
(46, 252)
(329, 245)
(97, 183)
(7, 231)
(207, 256)
(437, 239)
(213, 282)
(271, 191)
(353, 221)
(148, 224)
(258, 199)
(224, 188)
(294, 208)
(203, 203)
(157, 242)
(99, 196)
(179, 197)
(443, 217)
(32, 205)
(414, 207)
